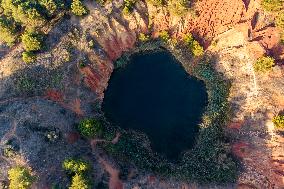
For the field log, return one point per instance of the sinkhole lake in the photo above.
(154, 94)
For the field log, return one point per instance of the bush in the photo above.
(280, 20)
(7, 31)
(50, 5)
(78, 8)
(80, 182)
(158, 2)
(77, 166)
(272, 5)
(28, 13)
(164, 35)
(28, 57)
(129, 6)
(264, 64)
(178, 7)
(90, 128)
(143, 37)
(32, 41)
(20, 178)
(194, 46)
(279, 121)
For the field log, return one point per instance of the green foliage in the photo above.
(50, 5)
(178, 7)
(80, 182)
(272, 5)
(158, 2)
(32, 41)
(78, 8)
(279, 121)
(73, 166)
(143, 37)
(164, 35)
(7, 31)
(264, 64)
(194, 46)
(26, 12)
(129, 6)
(20, 178)
(28, 57)
(90, 128)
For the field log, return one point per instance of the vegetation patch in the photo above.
(20, 178)
(90, 128)
(279, 121)
(79, 170)
(264, 64)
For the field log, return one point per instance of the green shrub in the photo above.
(50, 5)
(158, 2)
(164, 35)
(272, 5)
(7, 31)
(20, 178)
(80, 182)
(28, 13)
(73, 166)
(264, 64)
(194, 46)
(129, 6)
(143, 37)
(90, 128)
(32, 41)
(78, 8)
(28, 57)
(279, 121)
(178, 7)
(280, 20)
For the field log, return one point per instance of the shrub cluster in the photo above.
(194, 46)
(90, 128)
(78, 8)
(32, 42)
(79, 170)
(279, 121)
(143, 37)
(164, 36)
(129, 6)
(158, 2)
(7, 31)
(20, 178)
(264, 64)
(178, 7)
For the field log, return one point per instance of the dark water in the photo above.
(154, 94)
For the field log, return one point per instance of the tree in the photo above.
(28, 57)
(264, 64)
(78, 8)
(279, 121)
(164, 35)
(75, 166)
(20, 178)
(7, 31)
(50, 5)
(79, 182)
(90, 128)
(26, 12)
(272, 5)
(194, 46)
(32, 41)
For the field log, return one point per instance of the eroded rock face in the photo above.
(242, 32)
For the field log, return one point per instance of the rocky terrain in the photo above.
(40, 103)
